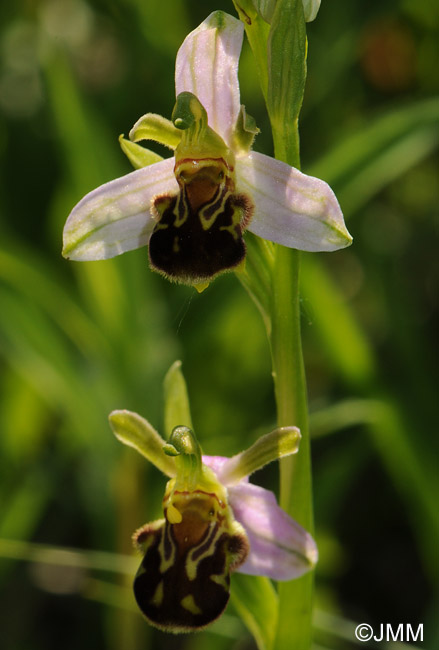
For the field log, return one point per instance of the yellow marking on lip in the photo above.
(207, 222)
(157, 599)
(220, 579)
(232, 231)
(201, 286)
(165, 564)
(191, 565)
(189, 603)
(173, 515)
(181, 215)
(161, 226)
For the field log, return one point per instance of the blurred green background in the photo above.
(78, 340)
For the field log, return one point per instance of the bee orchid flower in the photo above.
(215, 522)
(193, 208)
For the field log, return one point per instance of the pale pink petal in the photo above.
(217, 464)
(279, 547)
(116, 217)
(291, 208)
(207, 66)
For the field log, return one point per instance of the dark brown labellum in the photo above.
(199, 232)
(183, 582)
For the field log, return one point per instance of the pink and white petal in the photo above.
(218, 464)
(291, 208)
(116, 217)
(214, 462)
(207, 66)
(279, 547)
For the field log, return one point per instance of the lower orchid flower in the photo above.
(215, 522)
(192, 209)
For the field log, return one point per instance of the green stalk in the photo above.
(295, 597)
(289, 380)
(280, 51)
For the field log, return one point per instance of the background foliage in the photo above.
(78, 340)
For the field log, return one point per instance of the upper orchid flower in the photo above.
(215, 522)
(193, 208)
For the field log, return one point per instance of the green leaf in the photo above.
(33, 278)
(374, 155)
(22, 508)
(255, 600)
(353, 359)
(345, 344)
(66, 556)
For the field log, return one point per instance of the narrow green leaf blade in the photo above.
(255, 599)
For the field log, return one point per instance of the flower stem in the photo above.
(295, 597)
(289, 378)
(280, 54)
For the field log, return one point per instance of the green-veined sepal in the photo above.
(176, 399)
